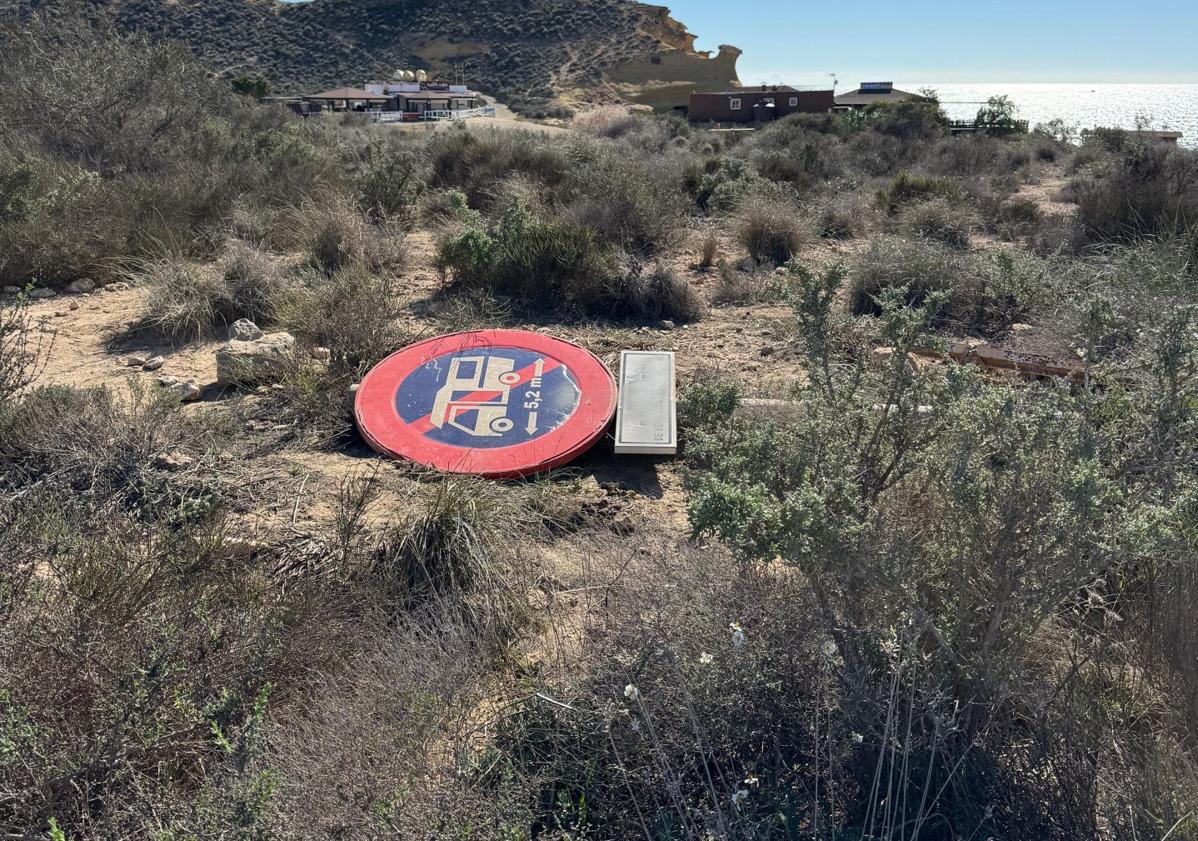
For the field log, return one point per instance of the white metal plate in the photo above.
(646, 417)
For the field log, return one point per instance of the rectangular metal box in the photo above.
(646, 417)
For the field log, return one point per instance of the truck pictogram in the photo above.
(473, 384)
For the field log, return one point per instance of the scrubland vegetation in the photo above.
(915, 601)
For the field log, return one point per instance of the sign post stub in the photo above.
(493, 403)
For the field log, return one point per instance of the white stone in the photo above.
(321, 354)
(154, 364)
(244, 330)
(136, 361)
(188, 392)
(252, 362)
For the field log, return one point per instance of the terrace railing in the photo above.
(429, 116)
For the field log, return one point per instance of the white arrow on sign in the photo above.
(532, 422)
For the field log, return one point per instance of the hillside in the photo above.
(527, 51)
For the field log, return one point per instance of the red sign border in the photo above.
(387, 433)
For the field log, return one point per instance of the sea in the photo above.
(1156, 106)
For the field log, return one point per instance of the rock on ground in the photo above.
(81, 286)
(262, 360)
(244, 330)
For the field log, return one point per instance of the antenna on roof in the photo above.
(835, 81)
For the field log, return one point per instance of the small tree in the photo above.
(997, 116)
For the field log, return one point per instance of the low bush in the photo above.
(630, 203)
(255, 282)
(476, 162)
(447, 559)
(1147, 189)
(906, 189)
(723, 183)
(390, 185)
(549, 264)
(185, 301)
(845, 216)
(771, 230)
(918, 268)
(337, 237)
(736, 286)
(969, 155)
(21, 354)
(984, 292)
(942, 221)
(610, 121)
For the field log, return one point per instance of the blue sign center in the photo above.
(488, 397)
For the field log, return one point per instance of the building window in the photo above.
(734, 104)
(794, 102)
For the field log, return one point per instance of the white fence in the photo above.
(430, 116)
(465, 114)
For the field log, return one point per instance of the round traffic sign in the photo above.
(494, 403)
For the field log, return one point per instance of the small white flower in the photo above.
(858, 738)
(740, 795)
(751, 780)
(705, 659)
(632, 693)
(829, 648)
(738, 634)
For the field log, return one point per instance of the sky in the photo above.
(951, 41)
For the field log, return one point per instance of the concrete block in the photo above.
(646, 417)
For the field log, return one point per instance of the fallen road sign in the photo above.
(493, 403)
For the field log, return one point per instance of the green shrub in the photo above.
(906, 189)
(390, 185)
(939, 220)
(20, 353)
(184, 301)
(771, 229)
(1148, 189)
(548, 264)
(845, 216)
(255, 283)
(159, 170)
(630, 203)
(337, 237)
(355, 313)
(984, 293)
(448, 555)
(908, 120)
(725, 182)
(918, 268)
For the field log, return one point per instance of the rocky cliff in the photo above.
(528, 52)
